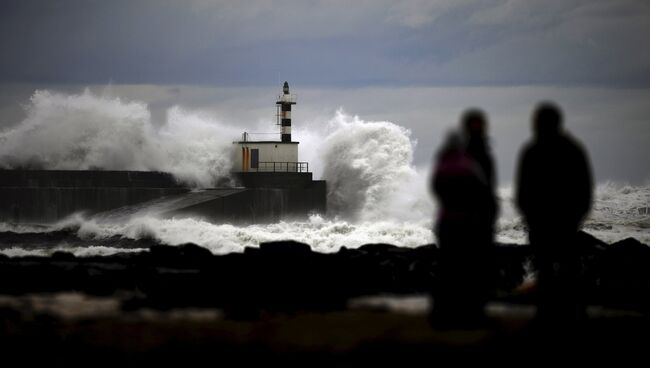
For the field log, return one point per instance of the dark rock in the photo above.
(623, 276)
(589, 243)
(181, 254)
(631, 247)
(60, 256)
(289, 276)
(377, 248)
(287, 248)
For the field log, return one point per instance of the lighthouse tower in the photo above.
(271, 156)
(269, 169)
(285, 100)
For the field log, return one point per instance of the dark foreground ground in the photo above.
(180, 305)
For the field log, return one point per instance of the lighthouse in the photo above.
(265, 165)
(285, 100)
(271, 156)
(267, 183)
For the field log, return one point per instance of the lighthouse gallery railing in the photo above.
(283, 166)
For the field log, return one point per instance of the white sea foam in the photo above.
(87, 131)
(369, 171)
(618, 213)
(324, 235)
(86, 251)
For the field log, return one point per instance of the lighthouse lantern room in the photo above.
(269, 155)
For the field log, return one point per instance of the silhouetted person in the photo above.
(465, 214)
(554, 192)
(474, 127)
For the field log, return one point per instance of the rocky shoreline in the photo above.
(285, 284)
(286, 276)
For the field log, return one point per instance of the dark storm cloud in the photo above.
(338, 43)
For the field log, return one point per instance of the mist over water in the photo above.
(87, 131)
(375, 193)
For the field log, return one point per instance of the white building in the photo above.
(271, 156)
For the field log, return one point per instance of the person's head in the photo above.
(547, 120)
(474, 123)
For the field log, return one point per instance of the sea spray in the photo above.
(86, 131)
(86, 251)
(615, 216)
(369, 171)
(617, 213)
(368, 165)
(324, 235)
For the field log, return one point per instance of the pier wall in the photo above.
(46, 196)
(43, 196)
(259, 205)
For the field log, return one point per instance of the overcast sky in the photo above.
(329, 42)
(415, 62)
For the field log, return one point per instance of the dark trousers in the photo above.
(465, 272)
(559, 268)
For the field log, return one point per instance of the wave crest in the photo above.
(86, 131)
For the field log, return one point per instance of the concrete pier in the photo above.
(46, 196)
(43, 196)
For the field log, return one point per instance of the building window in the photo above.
(255, 158)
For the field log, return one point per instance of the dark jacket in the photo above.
(554, 182)
(467, 204)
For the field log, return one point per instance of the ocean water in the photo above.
(376, 193)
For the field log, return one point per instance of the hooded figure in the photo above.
(464, 196)
(464, 232)
(474, 127)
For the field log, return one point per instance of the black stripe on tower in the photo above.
(286, 127)
(286, 107)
